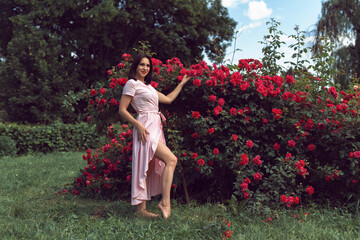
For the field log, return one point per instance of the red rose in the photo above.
(276, 146)
(75, 192)
(257, 160)
(264, 121)
(154, 84)
(235, 137)
(310, 190)
(357, 154)
(126, 56)
(290, 79)
(197, 82)
(328, 178)
(195, 135)
(93, 92)
(217, 110)
(128, 178)
(291, 143)
(201, 162)
(102, 91)
(195, 114)
(257, 176)
(249, 144)
(112, 85)
(233, 111)
(194, 155)
(283, 198)
(311, 147)
(215, 151)
(244, 160)
(212, 98)
(211, 130)
(221, 101)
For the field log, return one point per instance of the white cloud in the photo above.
(250, 25)
(258, 10)
(232, 3)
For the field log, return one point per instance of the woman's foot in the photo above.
(144, 213)
(166, 210)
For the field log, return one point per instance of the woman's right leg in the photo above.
(141, 208)
(164, 154)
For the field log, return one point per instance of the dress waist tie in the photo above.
(156, 112)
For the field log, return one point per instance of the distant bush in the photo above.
(48, 138)
(7, 146)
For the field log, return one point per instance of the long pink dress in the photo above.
(146, 103)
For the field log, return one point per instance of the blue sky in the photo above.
(251, 18)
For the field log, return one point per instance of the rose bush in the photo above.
(236, 131)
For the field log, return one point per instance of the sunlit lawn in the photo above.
(30, 210)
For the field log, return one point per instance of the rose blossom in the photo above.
(249, 144)
(217, 110)
(233, 111)
(195, 114)
(257, 160)
(257, 176)
(311, 147)
(197, 82)
(211, 130)
(221, 101)
(215, 151)
(291, 143)
(201, 161)
(212, 98)
(310, 190)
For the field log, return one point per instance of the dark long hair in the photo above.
(135, 64)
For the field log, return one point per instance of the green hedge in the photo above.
(48, 138)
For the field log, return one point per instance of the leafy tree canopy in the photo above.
(339, 19)
(51, 47)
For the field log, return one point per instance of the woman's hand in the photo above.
(142, 133)
(185, 79)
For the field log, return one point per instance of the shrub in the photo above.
(7, 146)
(47, 138)
(236, 132)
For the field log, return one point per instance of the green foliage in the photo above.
(50, 48)
(299, 49)
(54, 137)
(7, 146)
(338, 20)
(271, 52)
(223, 128)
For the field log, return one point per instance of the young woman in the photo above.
(153, 163)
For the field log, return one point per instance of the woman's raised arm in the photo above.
(167, 99)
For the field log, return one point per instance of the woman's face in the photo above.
(143, 69)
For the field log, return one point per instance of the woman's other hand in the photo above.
(142, 134)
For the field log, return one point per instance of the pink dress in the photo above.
(146, 103)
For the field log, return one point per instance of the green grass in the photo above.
(30, 210)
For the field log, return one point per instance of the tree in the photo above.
(77, 41)
(339, 19)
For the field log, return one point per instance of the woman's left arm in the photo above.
(167, 99)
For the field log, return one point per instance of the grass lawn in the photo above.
(30, 210)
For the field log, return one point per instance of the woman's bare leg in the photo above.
(141, 209)
(164, 154)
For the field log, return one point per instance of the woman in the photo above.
(153, 163)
